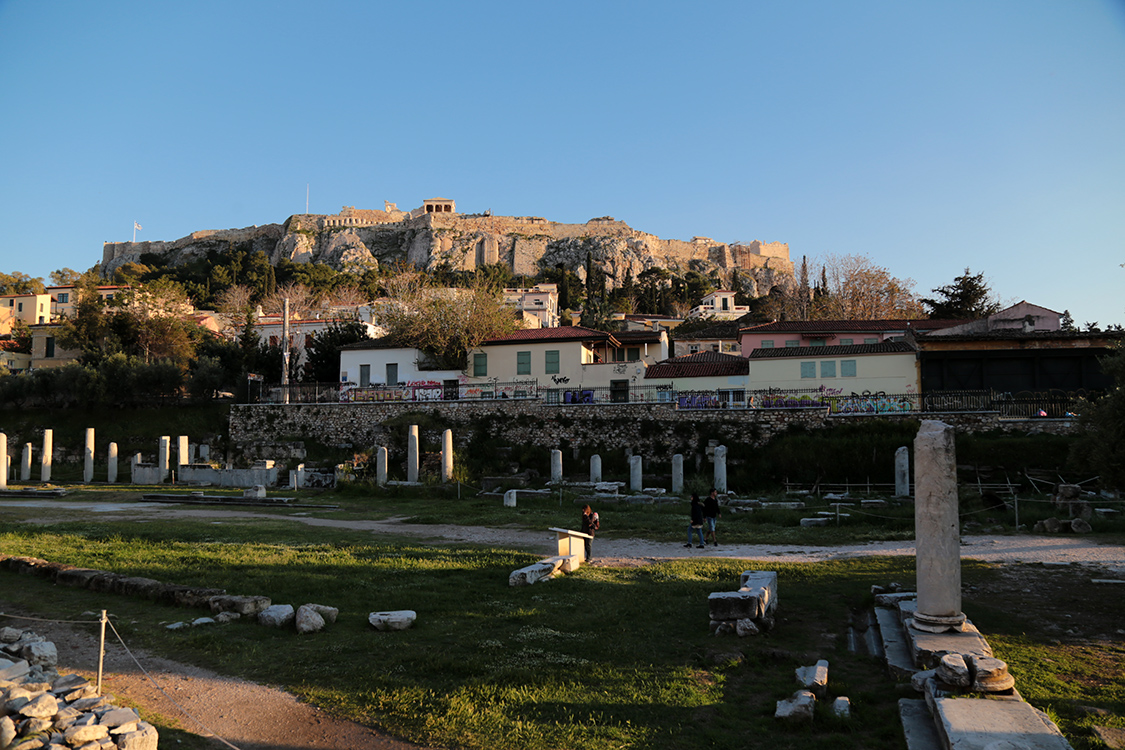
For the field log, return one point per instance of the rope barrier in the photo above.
(39, 619)
(172, 700)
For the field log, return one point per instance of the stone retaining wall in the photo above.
(655, 430)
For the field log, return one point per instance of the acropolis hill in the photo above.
(435, 234)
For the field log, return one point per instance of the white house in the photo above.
(376, 370)
(719, 305)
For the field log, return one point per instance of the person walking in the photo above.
(696, 521)
(711, 515)
(590, 524)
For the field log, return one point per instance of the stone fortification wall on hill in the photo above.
(526, 244)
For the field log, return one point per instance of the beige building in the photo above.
(29, 308)
(889, 367)
(719, 305)
(45, 350)
(540, 304)
(65, 299)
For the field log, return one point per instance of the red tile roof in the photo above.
(828, 326)
(700, 365)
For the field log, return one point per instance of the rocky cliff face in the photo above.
(463, 242)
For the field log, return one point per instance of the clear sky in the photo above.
(928, 136)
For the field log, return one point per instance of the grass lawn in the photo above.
(603, 658)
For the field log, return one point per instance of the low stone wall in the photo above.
(656, 430)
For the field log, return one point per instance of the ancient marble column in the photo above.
(381, 467)
(595, 468)
(721, 468)
(412, 454)
(902, 472)
(136, 461)
(111, 464)
(300, 476)
(182, 448)
(3, 461)
(556, 465)
(636, 475)
(204, 453)
(447, 456)
(937, 529)
(678, 474)
(48, 455)
(88, 457)
(25, 465)
(165, 446)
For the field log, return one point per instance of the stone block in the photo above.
(116, 717)
(43, 654)
(328, 613)
(842, 707)
(981, 724)
(952, 670)
(394, 620)
(530, 574)
(735, 605)
(308, 620)
(799, 707)
(814, 678)
(243, 605)
(78, 578)
(43, 706)
(276, 616)
(808, 522)
(145, 738)
(990, 675)
(746, 627)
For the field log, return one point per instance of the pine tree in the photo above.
(967, 298)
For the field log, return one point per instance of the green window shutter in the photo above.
(552, 362)
(847, 368)
(523, 363)
(634, 354)
(828, 369)
(480, 365)
(808, 369)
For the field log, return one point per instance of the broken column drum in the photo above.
(88, 457)
(447, 456)
(556, 465)
(636, 474)
(595, 468)
(937, 529)
(902, 472)
(678, 474)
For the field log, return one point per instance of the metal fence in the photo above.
(1023, 405)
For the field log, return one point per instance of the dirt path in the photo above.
(257, 717)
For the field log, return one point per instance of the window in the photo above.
(730, 347)
(767, 344)
(847, 368)
(480, 365)
(828, 368)
(523, 363)
(816, 342)
(846, 342)
(726, 303)
(714, 347)
(633, 353)
(693, 349)
(364, 376)
(871, 341)
(551, 362)
(808, 369)
(20, 307)
(392, 373)
(792, 342)
(273, 340)
(50, 346)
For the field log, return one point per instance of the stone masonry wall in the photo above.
(655, 430)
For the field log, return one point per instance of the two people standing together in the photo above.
(704, 517)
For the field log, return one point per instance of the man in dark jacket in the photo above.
(711, 515)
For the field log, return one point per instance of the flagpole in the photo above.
(134, 231)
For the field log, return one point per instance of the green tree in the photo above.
(322, 354)
(1101, 444)
(967, 298)
(20, 283)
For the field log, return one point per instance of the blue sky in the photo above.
(928, 136)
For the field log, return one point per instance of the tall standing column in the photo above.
(412, 454)
(936, 529)
(25, 464)
(48, 454)
(162, 452)
(111, 464)
(636, 474)
(595, 468)
(182, 450)
(447, 456)
(381, 466)
(678, 474)
(902, 472)
(556, 465)
(3, 461)
(721, 468)
(88, 457)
